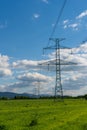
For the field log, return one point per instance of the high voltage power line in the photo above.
(57, 21)
(57, 61)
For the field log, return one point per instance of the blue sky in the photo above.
(25, 27)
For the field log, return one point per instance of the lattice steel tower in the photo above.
(57, 62)
(58, 85)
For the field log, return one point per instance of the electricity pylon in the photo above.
(38, 88)
(58, 85)
(57, 62)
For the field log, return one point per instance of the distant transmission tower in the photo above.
(57, 62)
(38, 88)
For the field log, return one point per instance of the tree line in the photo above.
(44, 97)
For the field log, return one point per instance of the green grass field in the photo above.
(43, 114)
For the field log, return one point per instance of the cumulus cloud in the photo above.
(81, 15)
(5, 69)
(28, 81)
(73, 76)
(29, 65)
(4, 61)
(76, 92)
(75, 81)
(16, 86)
(5, 72)
(33, 77)
(75, 84)
(75, 55)
(25, 64)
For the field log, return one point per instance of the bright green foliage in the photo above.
(43, 114)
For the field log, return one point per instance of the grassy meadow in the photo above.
(43, 114)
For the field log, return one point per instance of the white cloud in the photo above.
(33, 77)
(75, 25)
(65, 26)
(74, 77)
(70, 24)
(5, 72)
(4, 61)
(16, 86)
(83, 14)
(80, 91)
(5, 69)
(75, 84)
(25, 64)
(65, 21)
(36, 16)
(29, 65)
(28, 81)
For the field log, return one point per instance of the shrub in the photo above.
(3, 127)
(33, 122)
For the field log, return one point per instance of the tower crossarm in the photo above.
(53, 62)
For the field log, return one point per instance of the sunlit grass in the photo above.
(43, 115)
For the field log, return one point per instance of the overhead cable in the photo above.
(57, 21)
